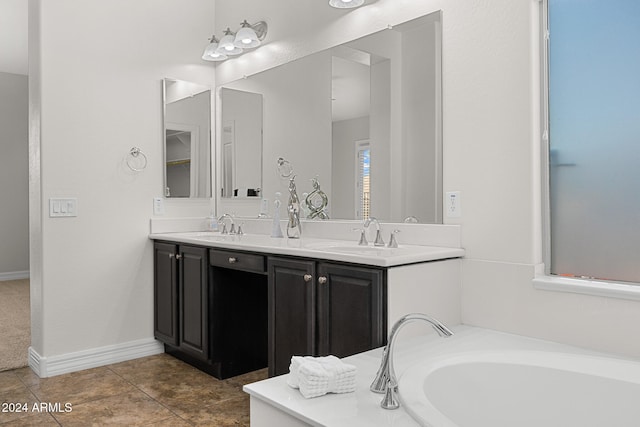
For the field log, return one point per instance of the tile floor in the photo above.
(152, 391)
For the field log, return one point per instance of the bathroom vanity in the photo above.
(232, 304)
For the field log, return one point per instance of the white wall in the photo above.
(14, 174)
(95, 73)
(491, 152)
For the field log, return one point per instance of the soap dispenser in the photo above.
(276, 230)
(211, 222)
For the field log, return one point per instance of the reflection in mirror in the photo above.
(187, 141)
(241, 143)
(365, 119)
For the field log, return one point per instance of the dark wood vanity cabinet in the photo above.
(165, 293)
(351, 310)
(210, 307)
(231, 312)
(181, 296)
(320, 308)
(193, 297)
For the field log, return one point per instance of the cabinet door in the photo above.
(194, 291)
(292, 297)
(351, 309)
(165, 293)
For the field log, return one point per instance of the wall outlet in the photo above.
(453, 204)
(158, 206)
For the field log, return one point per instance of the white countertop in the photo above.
(312, 247)
(362, 407)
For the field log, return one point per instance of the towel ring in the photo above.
(136, 156)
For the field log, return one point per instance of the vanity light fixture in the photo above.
(249, 36)
(234, 43)
(211, 53)
(227, 46)
(346, 4)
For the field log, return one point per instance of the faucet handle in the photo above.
(240, 232)
(390, 400)
(363, 237)
(379, 241)
(224, 228)
(393, 243)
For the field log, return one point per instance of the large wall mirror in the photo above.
(187, 139)
(241, 144)
(364, 118)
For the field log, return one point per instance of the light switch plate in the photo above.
(67, 207)
(158, 206)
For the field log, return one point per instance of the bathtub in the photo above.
(476, 378)
(514, 388)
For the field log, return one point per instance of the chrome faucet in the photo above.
(367, 223)
(294, 228)
(232, 230)
(386, 381)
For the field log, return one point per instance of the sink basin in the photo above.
(208, 235)
(329, 245)
(347, 247)
(381, 250)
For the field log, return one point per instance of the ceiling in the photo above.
(13, 36)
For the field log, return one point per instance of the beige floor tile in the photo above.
(27, 376)
(130, 409)
(9, 381)
(37, 419)
(17, 398)
(142, 371)
(173, 421)
(226, 413)
(180, 391)
(158, 391)
(248, 378)
(80, 387)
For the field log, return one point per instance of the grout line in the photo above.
(151, 397)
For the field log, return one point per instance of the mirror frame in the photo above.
(210, 183)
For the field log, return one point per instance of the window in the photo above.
(594, 139)
(363, 163)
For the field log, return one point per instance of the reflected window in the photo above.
(363, 200)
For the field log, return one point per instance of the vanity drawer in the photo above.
(238, 260)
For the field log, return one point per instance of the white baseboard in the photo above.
(92, 358)
(14, 275)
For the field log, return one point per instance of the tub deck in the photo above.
(273, 402)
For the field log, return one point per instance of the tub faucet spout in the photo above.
(385, 380)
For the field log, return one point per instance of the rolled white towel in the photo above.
(317, 376)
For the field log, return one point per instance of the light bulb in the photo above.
(246, 37)
(345, 4)
(226, 46)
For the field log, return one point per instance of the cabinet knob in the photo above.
(233, 260)
(171, 255)
(322, 280)
(178, 256)
(307, 277)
